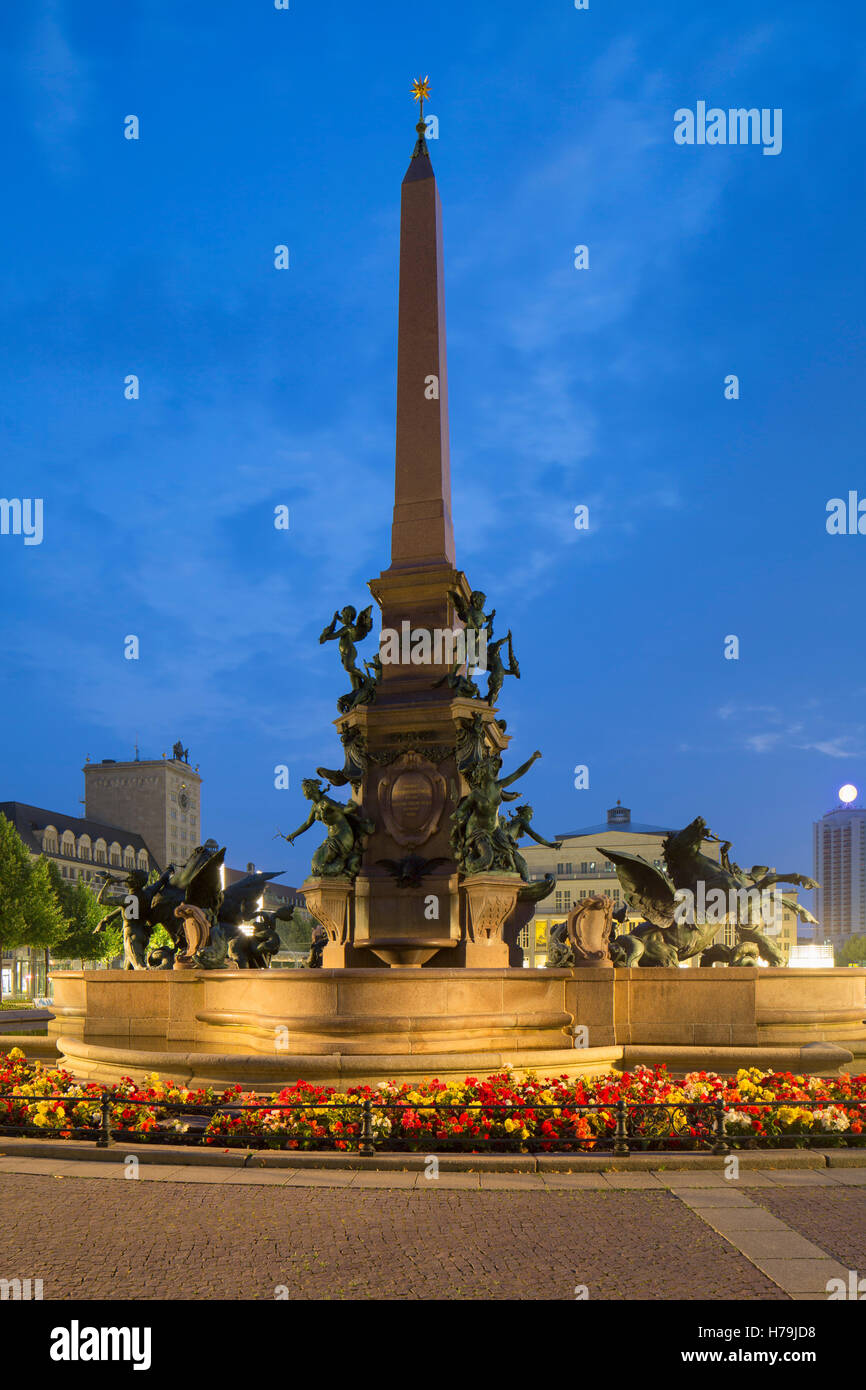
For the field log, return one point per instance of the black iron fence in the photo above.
(368, 1126)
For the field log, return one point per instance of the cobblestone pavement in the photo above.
(833, 1219)
(92, 1238)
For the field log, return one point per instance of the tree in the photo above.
(82, 912)
(30, 913)
(852, 952)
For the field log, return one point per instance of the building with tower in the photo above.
(160, 800)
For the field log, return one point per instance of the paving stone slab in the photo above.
(784, 1244)
(792, 1178)
(741, 1218)
(750, 1179)
(44, 1166)
(261, 1176)
(633, 1180)
(470, 1181)
(180, 1173)
(386, 1180)
(311, 1177)
(714, 1199)
(704, 1180)
(802, 1276)
(574, 1182)
(512, 1181)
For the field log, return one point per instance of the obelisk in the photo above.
(422, 532)
(416, 585)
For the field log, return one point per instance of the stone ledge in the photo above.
(171, 1155)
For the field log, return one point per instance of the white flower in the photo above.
(832, 1118)
(736, 1117)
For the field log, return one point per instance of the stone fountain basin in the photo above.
(266, 1028)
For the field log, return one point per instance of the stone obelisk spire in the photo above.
(422, 534)
(408, 737)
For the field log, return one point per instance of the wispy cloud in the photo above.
(787, 732)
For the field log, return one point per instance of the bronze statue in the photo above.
(198, 883)
(515, 829)
(471, 742)
(365, 692)
(411, 870)
(354, 627)
(255, 952)
(496, 668)
(479, 841)
(559, 952)
(348, 828)
(356, 759)
(667, 936)
(460, 684)
(472, 614)
(146, 905)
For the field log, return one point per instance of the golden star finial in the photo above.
(421, 91)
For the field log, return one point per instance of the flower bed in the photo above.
(497, 1114)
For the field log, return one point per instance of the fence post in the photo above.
(721, 1145)
(104, 1137)
(367, 1131)
(620, 1143)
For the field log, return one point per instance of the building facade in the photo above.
(582, 871)
(82, 848)
(161, 800)
(839, 842)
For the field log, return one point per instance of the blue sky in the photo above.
(602, 387)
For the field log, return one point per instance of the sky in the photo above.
(602, 387)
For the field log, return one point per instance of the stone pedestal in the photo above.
(488, 901)
(406, 905)
(331, 902)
